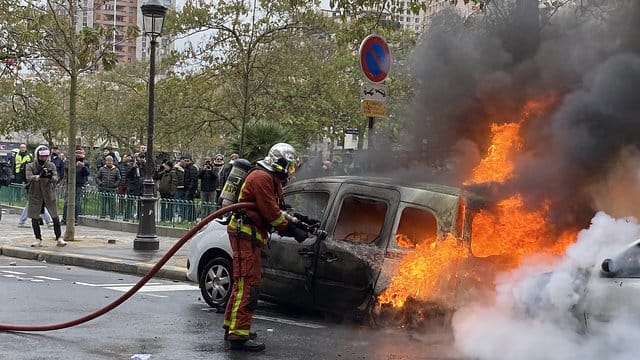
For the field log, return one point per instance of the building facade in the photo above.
(121, 15)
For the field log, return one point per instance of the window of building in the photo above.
(416, 226)
(360, 220)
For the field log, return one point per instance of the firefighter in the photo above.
(248, 232)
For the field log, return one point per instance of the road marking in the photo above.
(36, 280)
(46, 278)
(22, 267)
(10, 276)
(289, 322)
(13, 272)
(157, 288)
(107, 285)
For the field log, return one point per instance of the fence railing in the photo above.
(112, 206)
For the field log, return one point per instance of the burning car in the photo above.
(371, 224)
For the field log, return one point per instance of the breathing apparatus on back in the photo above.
(233, 185)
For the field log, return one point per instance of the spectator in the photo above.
(82, 179)
(5, 176)
(21, 159)
(108, 179)
(42, 176)
(190, 187)
(169, 179)
(218, 164)
(135, 185)
(208, 183)
(102, 160)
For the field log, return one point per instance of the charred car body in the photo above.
(343, 271)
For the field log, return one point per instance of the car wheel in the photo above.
(216, 281)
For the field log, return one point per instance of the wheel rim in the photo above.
(218, 283)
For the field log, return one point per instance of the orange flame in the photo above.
(420, 272)
(508, 230)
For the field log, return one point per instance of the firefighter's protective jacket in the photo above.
(264, 189)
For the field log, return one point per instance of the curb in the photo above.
(95, 263)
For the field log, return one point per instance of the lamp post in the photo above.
(153, 12)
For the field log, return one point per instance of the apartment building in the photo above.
(418, 22)
(122, 14)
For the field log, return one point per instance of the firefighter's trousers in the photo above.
(243, 301)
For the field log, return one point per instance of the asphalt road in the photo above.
(167, 320)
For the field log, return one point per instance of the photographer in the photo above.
(42, 176)
(208, 182)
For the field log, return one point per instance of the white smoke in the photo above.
(530, 316)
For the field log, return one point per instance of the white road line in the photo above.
(157, 288)
(289, 322)
(107, 285)
(22, 267)
(36, 280)
(13, 272)
(10, 276)
(47, 278)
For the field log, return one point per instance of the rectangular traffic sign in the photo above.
(374, 109)
(375, 92)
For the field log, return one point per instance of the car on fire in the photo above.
(369, 225)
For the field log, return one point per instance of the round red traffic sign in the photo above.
(375, 59)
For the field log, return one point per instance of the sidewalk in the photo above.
(93, 247)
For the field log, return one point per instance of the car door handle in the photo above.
(306, 253)
(328, 257)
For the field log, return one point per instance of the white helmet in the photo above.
(281, 159)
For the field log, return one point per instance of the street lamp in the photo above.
(153, 12)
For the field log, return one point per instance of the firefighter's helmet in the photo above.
(281, 159)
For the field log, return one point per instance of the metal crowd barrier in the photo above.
(112, 206)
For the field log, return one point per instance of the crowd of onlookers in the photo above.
(119, 181)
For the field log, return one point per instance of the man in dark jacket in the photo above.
(190, 188)
(108, 180)
(135, 185)
(82, 179)
(208, 183)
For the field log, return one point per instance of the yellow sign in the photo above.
(375, 109)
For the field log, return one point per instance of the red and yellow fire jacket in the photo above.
(264, 189)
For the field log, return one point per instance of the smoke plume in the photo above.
(473, 72)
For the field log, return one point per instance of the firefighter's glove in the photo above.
(306, 219)
(295, 232)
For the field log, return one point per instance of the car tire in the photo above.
(216, 281)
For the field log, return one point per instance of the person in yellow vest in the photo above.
(20, 162)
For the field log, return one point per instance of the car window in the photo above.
(360, 220)
(311, 204)
(415, 227)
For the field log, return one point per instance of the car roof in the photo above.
(471, 197)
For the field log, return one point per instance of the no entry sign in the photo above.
(375, 59)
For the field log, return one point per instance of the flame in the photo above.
(503, 235)
(420, 272)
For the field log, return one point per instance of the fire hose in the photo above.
(139, 284)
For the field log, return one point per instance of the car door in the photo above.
(350, 258)
(288, 265)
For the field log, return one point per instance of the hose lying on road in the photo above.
(139, 284)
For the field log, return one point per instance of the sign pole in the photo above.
(375, 63)
(370, 142)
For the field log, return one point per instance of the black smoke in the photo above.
(472, 72)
